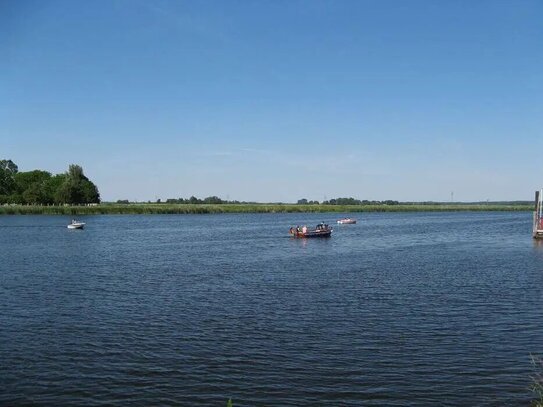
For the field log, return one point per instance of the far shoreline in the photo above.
(172, 209)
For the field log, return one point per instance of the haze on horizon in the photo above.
(277, 101)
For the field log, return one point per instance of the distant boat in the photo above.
(321, 230)
(346, 221)
(76, 225)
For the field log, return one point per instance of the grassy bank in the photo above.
(116, 209)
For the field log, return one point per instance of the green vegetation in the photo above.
(193, 200)
(39, 187)
(347, 201)
(163, 208)
(303, 201)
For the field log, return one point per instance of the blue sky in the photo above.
(277, 100)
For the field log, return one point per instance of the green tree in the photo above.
(34, 194)
(40, 187)
(31, 186)
(51, 188)
(345, 201)
(77, 188)
(8, 165)
(213, 200)
(8, 169)
(90, 192)
(24, 180)
(63, 194)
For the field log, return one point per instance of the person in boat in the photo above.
(304, 229)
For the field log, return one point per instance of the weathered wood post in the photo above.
(537, 230)
(534, 220)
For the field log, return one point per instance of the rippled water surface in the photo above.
(399, 309)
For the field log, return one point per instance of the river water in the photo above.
(417, 309)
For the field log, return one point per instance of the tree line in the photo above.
(347, 201)
(192, 200)
(40, 187)
(217, 201)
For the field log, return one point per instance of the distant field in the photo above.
(154, 208)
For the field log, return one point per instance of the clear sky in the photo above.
(277, 100)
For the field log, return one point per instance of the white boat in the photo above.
(76, 225)
(346, 221)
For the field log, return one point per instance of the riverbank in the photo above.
(154, 208)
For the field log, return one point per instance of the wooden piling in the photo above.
(537, 229)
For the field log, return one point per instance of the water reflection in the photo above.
(538, 246)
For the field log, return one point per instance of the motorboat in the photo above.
(76, 225)
(320, 230)
(346, 221)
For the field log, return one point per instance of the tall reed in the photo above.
(153, 208)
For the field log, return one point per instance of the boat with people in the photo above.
(76, 224)
(321, 230)
(346, 221)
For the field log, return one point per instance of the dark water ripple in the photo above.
(398, 310)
